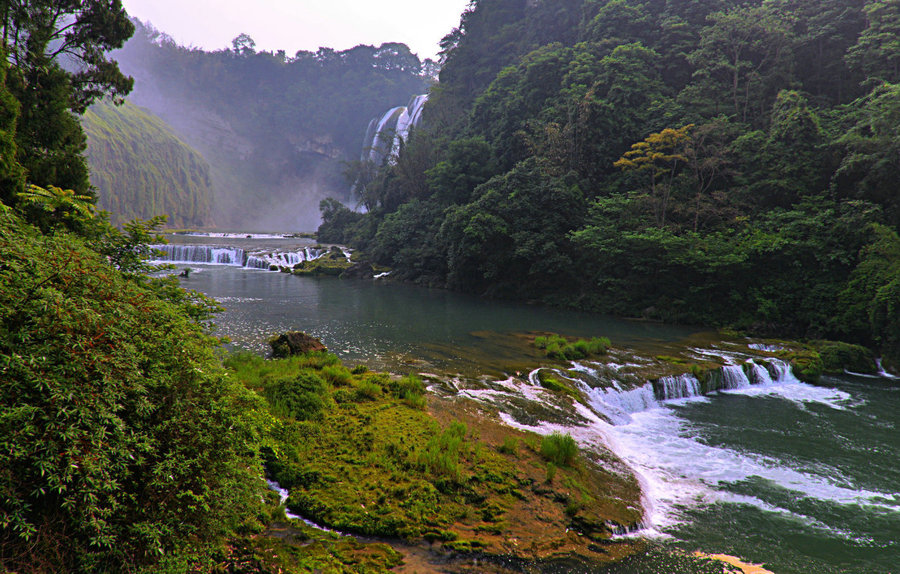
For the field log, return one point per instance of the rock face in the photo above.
(294, 343)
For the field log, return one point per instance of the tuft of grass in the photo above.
(411, 390)
(559, 449)
(440, 457)
(510, 446)
(368, 390)
(337, 375)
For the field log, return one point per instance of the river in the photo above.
(801, 478)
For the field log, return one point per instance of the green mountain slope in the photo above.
(713, 162)
(141, 168)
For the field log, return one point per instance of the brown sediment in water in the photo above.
(745, 567)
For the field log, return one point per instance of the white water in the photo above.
(234, 256)
(386, 134)
(677, 469)
(283, 495)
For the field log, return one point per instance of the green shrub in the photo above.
(359, 370)
(556, 347)
(559, 449)
(368, 390)
(303, 398)
(121, 437)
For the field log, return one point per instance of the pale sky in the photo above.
(293, 25)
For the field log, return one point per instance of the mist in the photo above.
(275, 131)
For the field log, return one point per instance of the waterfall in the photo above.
(759, 375)
(734, 377)
(201, 254)
(783, 372)
(234, 256)
(384, 134)
(610, 399)
(678, 387)
(617, 406)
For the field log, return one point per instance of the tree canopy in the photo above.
(716, 162)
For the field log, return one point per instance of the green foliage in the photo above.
(838, 357)
(303, 398)
(754, 162)
(142, 169)
(559, 348)
(559, 449)
(113, 407)
(336, 218)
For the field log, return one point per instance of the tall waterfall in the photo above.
(385, 133)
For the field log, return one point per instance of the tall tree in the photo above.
(877, 52)
(743, 59)
(656, 161)
(76, 33)
(12, 176)
(59, 65)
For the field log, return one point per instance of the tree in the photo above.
(49, 138)
(657, 160)
(243, 45)
(877, 52)
(12, 176)
(743, 59)
(869, 168)
(707, 153)
(42, 32)
(41, 36)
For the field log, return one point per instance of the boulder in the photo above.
(294, 343)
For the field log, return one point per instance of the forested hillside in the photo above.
(274, 128)
(141, 169)
(713, 162)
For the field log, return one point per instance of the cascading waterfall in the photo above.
(611, 401)
(385, 134)
(201, 254)
(759, 374)
(734, 377)
(234, 256)
(678, 387)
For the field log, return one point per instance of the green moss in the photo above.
(838, 357)
(805, 362)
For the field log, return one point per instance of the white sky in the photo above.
(293, 25)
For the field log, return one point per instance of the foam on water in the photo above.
(678, 471)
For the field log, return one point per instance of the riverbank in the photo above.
(374, 456)
(464, 476)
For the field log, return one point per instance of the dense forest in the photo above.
(141, 169)
(712, 162)
(274, 128)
